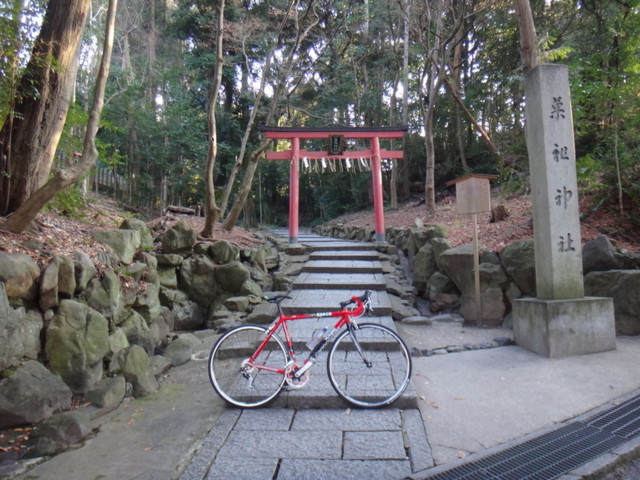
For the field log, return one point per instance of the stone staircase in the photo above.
(336, 271)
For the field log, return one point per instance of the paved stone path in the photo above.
(311, 433)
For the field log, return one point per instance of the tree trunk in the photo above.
(247, 132)
(27, 212)
(403, 172)
(457, 84)
(284, 80)
(460, 103)
(245, 189)
(528, 37)
(30, 135)
(211, 210)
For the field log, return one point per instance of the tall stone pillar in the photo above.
(561, 321)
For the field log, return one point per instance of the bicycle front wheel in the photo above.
(237, 382)
(369, 366)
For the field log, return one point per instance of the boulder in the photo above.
(237, 304)
(197, 278)
(77, 341)
(494, 308)
(135, 366)
(107, 393)
(421, 236)
(250, 287)
(263, 313)
(56, 434)
(187, 315)
(67, 284)
(137, 270)
(84, 270)
(232, 276)
(518, 260)
(396, 286)
(137, 330)
(124, 243)
(223, 252)
(600, 255)
(146, 239)
(442, 292)
(159, 365)
(169, 260)
(623, 286)
(493, 274)
(147, 302)
(179, 239)
(162, 327)
(400, 309)
(168, 276)
(118, 341)
(179, 351)
(19, 331)
(259, 258)
(31, 394)
(20, 275)
(58, 280)
(440, 245)
(105, 296)
(457, 264)
(423, 267)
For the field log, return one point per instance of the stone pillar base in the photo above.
(562, 328)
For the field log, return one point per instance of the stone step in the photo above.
(344, 255)
(319, 245)
(339, 281)
(342, 266)
(326, 300)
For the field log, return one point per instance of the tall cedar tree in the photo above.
(30, 134)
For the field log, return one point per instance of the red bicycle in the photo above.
(368, 364)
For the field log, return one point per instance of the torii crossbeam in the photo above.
(335, 137)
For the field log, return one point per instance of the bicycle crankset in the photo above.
(292, 381)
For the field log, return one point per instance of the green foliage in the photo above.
(19, 25)
(347, 72)
(69, 202)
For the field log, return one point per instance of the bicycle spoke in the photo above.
(372, 371)
(236, 381)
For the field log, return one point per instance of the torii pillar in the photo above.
(335, 137)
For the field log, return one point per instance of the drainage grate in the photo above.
(555, 453)
(623, 419)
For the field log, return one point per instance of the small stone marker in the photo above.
(561, 321)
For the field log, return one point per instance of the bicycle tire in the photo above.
(246, 389)
(382, 381)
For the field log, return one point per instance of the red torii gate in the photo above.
(335, 137)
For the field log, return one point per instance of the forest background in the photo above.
(449, 69)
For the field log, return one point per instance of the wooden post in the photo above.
(476, 268)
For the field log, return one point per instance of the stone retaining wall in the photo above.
(71, 329)
(443, 275)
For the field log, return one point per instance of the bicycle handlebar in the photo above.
(362, 302)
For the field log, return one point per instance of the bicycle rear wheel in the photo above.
(236, 382)
(369, 366)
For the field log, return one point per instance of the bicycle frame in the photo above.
(346, 319)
